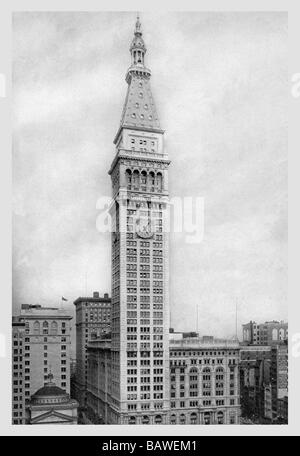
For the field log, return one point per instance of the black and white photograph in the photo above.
(149, 218)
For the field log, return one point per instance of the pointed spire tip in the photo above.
(138, 23)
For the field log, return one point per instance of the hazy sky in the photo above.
(220, 85)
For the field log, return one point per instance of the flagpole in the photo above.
(62, 299)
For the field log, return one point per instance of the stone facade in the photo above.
(99, 380)
(204, 384)
(204, 381)
(46, 347)
(140, 298)
(52, 405)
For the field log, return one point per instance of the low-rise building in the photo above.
(204, 381)
(52, 405)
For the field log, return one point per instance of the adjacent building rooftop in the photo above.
(95, 298)
(203, 342)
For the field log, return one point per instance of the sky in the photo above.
(219, 82)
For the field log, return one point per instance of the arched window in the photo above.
(54, 328)
(207, 418)
(193, 381)
(145, 419)
(274, 334)
(36, 328)
(158, 419)
(206, 382)
(143, 181)
(173, 419)
(194, 370)
(128, 179)
(159, 182)
(151, 179)
(136, 180)
(131, 420)
(45, 327)
(182, 419)
(193, 418)
(220, 417)
(281, 334)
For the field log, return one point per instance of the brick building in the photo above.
(268, 333)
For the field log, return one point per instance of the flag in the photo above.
(63, 299)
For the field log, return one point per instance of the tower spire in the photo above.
(138, 48)
(139, 108)
(137, 24)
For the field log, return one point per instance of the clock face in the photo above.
(144, 231)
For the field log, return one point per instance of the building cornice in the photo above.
(93, 300)
(46, 317)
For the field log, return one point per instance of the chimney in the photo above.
(96, 294)
(106, 295)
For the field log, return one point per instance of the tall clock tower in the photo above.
(139, 390)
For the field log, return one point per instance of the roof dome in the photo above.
(50, 389)
(50, 393)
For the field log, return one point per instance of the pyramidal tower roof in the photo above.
(139, 109)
